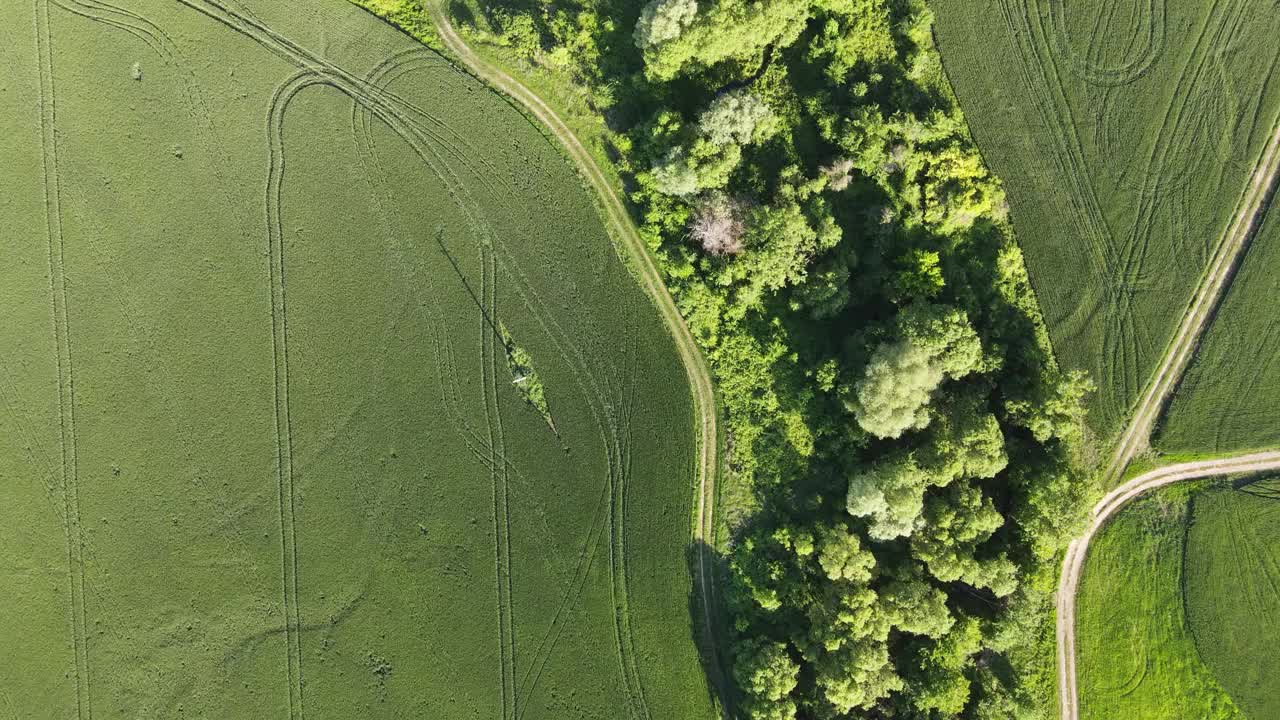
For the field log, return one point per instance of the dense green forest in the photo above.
(905, 459)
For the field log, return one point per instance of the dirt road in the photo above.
(1073, 564)
(641, 262)
(1137, 433)
(1207, 296)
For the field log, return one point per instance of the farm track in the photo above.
(483, 450)
(388, 108)
(301, 80)
(72, 529)
(1162, 179)
(618, 571)
(513, 692)
(1123, 259)
(1208, 295)
(647, 273)
(1104, 510)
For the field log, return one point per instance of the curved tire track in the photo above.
(646, 273)
(422, 140)
(1230, 251)
(1209, 294)
(280, 356)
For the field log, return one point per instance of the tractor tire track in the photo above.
(72, 528)
(602, 412)
(586, 560)
(546, 318)
(1230, 250)
(635, 253)
(446, 368)
(498, 477)
(1038, 44)
(620, 575)
(390, 109)
(1088, 68)
(280, 362)
(170, 54)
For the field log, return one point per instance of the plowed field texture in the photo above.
(1177, 607)
(1126, 132)
(324, 392)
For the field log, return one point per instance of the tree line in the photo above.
(904, 454)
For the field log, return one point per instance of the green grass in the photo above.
(1136, 655)
(1125, 133)
(1178, 603)
(290, 474)
(1233, 591)
(554, 84)
(1227, 402)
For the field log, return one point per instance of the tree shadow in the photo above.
(461, 13)
(1263, 485)
(709, 624)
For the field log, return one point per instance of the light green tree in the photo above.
(935, 342)
(953, 525)
(766, 674)
(734, 117)
(842, 557)
(663, 20)
(726, 30)
(676, 174)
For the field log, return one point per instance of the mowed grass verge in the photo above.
(1229, 399)
(1177, 606)
(1125, 133)
(265, 449)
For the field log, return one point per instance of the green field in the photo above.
(1177, 607)
(1233, 591)
(1227, 402)
(1138, 657)
(1124, 132)
(264, 447)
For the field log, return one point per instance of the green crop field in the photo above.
(1233, 591)
(1125, 132)
(1140, 659)
(1229, 400)
(1177, 607)
(323, 390)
